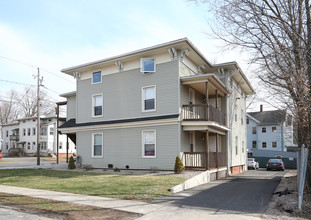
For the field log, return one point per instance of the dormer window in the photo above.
(97, 77)
(147, 65)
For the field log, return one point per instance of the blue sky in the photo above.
(56, 34)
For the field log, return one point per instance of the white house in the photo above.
(23, 134)
(269, 130)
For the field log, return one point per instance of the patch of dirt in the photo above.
(65, 211)
(284, 202)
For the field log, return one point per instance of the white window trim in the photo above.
(143, 144)
(101, 76)
(143, 99)
(141, 65)
(101, 156)
(93, 112)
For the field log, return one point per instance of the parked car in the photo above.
(252, 164)
(275, 164)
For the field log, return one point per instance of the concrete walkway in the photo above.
(150, 211)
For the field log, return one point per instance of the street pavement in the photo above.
(29, 162)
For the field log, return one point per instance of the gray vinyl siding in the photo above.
(124, 147)
(71, 107)
(122, 94)
(184, 141)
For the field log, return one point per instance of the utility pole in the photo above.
(57, 135)
(38, 119)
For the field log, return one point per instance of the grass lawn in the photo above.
(137, 187)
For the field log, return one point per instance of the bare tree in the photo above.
(27, 102)
(8, 108)
(277, 35)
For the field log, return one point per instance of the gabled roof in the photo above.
(269, 117)
(181, 44)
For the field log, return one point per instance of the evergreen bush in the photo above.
(71, 164)
(179, 167)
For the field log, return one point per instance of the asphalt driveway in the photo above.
(249, 192)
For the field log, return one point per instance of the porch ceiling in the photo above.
(198, 83)
(204, 126)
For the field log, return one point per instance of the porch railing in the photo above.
(198, 159)
(203, 112)
(194, 159)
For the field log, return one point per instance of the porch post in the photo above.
(217, 145)
(216, 98)
(206, 100)
(207, 149)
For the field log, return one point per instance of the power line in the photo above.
(30, 65)
(51, 90)
(8, 81)
(17, 61)
(57, 76)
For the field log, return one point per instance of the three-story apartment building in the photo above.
(144, 108)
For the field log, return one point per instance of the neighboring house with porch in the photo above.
(270, 131)
(144, 108)
(22, 136)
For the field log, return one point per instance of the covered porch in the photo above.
(207, 149)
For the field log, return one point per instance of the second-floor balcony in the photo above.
(203, 112)
(14, 137)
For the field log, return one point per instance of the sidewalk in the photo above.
(150, 211)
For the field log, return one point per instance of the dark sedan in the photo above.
(275, 164)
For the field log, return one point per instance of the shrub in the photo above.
(179, 167)
(71, 164)
(116, 169)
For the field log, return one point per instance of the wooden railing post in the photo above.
(207, 149)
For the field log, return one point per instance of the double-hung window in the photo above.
(97, 145)
(149, 98)
(97, 105)
(149, 144)
(254, 144)
(97, 77)
(147, 65)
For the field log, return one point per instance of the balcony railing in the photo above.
(198, 159)
(203, 112)
(14, 137)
